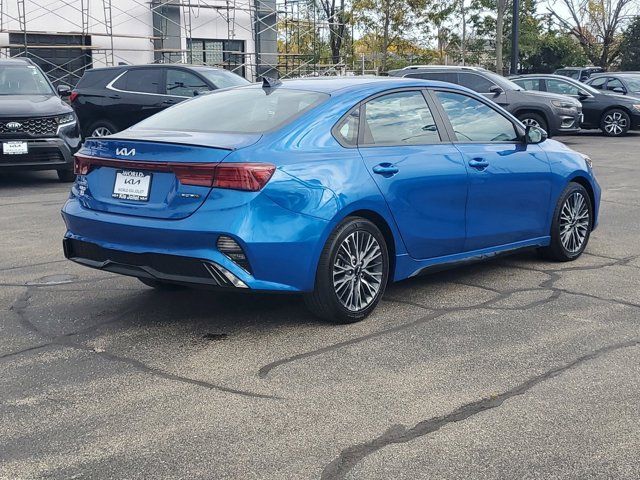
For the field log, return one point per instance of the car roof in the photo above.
(543, 75)
(153, 65)
(15, 61)
(614, 74)
(345, 84)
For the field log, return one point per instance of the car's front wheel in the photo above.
(534, 120)
(615, 123)
(352, 272)
(572, 224)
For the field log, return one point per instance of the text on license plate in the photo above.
(132, 185)
(14, 148)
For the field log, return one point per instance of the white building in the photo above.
(66, 36)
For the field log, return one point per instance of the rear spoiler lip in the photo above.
(150, 165)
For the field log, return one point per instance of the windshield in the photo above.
(239, 110)
(23, 80)
(222, 78)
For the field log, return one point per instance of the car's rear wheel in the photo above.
(352, 272)
(534, 120)
(158, 285)
(102, 128)
(572, 224)
(615, 122)
(66, 175)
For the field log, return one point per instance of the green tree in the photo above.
(630, 46)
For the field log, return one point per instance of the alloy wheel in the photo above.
(530, 122)
(615, 123)
(101, 132)
(574, 222)
(357, 270)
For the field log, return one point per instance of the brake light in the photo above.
(73, 95)
(198, 175)
(250, 177)
(81, 165)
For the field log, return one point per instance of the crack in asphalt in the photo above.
(352, 455)
(546, 285)
(21, 304)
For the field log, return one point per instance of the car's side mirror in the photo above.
(583, 95)
(533, 135)
(619, 90)
(496, 90)
(196, 93)
(64, 90)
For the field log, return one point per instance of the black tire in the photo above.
(101, 124)
(66, 175)
(324, 301)
(158, 285)
(615, 122)
(530, 118)
(557, 250)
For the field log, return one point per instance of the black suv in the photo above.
(38, 130)
(556, 114)
(111, 99)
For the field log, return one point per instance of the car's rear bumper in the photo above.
(43, 154)
(281, 246)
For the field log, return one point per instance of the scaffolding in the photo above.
(288, 38)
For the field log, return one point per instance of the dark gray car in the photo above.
(557, 114)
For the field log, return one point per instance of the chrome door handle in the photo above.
(387, 169)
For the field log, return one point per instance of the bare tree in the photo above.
(337, 19)
(596, 25)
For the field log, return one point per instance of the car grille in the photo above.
(37, 127)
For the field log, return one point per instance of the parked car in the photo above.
(578, 73)
(38, 130)
(614, 114)
(625, 83)
(327, 187)
(553, 113)
(108, 100)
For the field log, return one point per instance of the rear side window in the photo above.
(239, 110)
(475, 82)
(598, 83)
(439, 76)
(97, 78)
(143, 80)
(347, 129)
(184, 84)
(473, 121)
(528, 83)
(401, 118)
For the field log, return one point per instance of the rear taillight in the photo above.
(250, 177)
(73, 96)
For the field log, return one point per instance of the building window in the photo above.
(218, 53)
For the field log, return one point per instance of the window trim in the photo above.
(454, 138)
(110, 85)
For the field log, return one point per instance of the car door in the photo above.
(419, 172)
(181, 84)
(509, 181)
(138, 93)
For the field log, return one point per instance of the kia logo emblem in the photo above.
(126, 152)
(13, 125)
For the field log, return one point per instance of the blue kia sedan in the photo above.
(327, 187)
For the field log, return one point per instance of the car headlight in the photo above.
(636, 107)
(564, 104)
(66, 119)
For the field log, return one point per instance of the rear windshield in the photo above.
(240, 110)
(23, 80)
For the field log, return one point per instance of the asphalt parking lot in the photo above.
(516, 368)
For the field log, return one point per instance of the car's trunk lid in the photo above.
(152, 174)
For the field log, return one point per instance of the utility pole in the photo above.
(515, 37)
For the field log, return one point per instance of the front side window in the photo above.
(614, 83)
(23, 80)
(184, 84)
(239, 110)
(564, 88)
(142, 80)
(473, 121)
(401, 118)
(475, 82)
